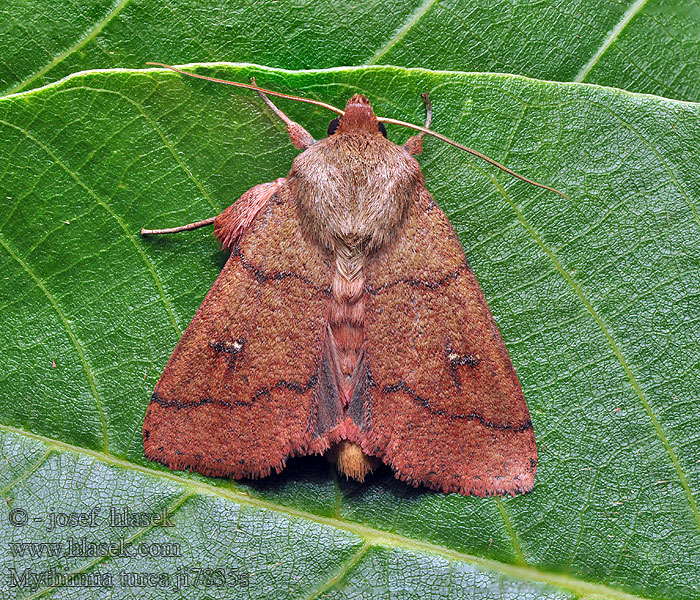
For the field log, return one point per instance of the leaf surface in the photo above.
(650, 46)
(597, 300)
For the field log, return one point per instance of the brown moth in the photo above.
(346, 321)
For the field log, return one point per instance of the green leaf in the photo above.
(650, 46)
(597, 300)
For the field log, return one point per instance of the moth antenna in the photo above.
(252, 87)
(332, 108)
(471, 151)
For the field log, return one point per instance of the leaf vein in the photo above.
(615, 348)
(342, 572)
(71, 334)
(376, 537)
(630, 13)
(98, 27)
(127, 541)
(415, 17)
(28, 472)
(103, 204)
(163, 138)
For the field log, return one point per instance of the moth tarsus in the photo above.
(188, 227)
(346, 321)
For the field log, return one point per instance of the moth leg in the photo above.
(231, 224)
(299, 137)
(414, 144)
(188, 227)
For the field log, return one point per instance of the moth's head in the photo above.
(358, 117)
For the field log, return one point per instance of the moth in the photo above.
(346, 321)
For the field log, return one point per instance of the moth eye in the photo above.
(333, 125)
(382, 129)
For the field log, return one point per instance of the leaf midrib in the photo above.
(401, 31)
(372, 536)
